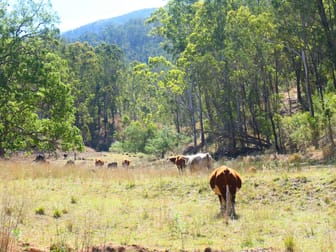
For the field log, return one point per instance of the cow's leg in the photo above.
(228, 201)
(222, 204)
(234, 215)
(179, 167)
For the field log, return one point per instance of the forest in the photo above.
(237, 76)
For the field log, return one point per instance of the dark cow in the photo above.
(70, 163)
(40, 158)
(225, 182)
(112, 165)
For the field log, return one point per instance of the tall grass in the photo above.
(11, 216)
(154, 206)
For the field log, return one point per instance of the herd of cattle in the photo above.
(224, 181)
(124, 163)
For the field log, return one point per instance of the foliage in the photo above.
(163, 140)
(147, 139)
(240, 75)
(95, 74)
(239, 57)
(36, 111)
(300, 129)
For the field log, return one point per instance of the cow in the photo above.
(112, 165)
(225, 182)
(70, 163)
(180, 161)
(99, 162)
(125, 163)
(40, 158)
(199, 161)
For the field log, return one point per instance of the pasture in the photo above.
(55, 207)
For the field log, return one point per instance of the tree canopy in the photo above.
(236, 76)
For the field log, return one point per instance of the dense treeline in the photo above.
(241, 75)
(245, 63)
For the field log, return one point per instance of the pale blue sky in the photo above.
(75, 13)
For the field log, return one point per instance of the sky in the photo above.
(75, 13)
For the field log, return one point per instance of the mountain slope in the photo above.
(128, 31)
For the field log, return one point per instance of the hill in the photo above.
(128, 31)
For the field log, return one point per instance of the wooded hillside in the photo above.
(238, 75)
(129, 32)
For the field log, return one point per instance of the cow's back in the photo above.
(223, 176)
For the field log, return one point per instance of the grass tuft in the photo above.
(40, 211)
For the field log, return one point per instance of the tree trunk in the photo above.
(308, 88)
(192, 113)
(201, 117)
(329, 35)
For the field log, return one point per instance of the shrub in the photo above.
(40, 211)
(289, 243)
(57, 214)
(73, 200)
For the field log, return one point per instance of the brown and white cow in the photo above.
(225, 182)
(99, 162)
(125, 163)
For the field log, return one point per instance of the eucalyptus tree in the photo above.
(171, 84)
(95, 76)
(306, 33)
(36, 105)
(84, 65)
(240, 58)
(175, 24)
(206, 68)
(107, 91)
(327, 13)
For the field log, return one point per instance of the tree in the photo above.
(36, 106)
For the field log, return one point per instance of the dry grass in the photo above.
(151, 205)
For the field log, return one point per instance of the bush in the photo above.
(299, 130)
(40, 211)
(57, 214)
(148, 139)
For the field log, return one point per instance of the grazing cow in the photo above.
(70, 163)
(225, 181)
(125, 163)
(99, 162)
(112, 165)
(172, 159)
(199, 161)
(40, 158)
(180, 162)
